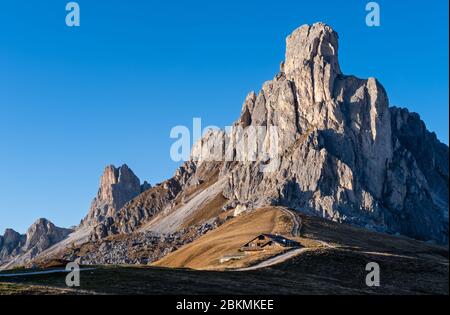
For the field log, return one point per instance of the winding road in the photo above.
(277, 259)
(296, 220)
(287, 255)
(296, 231)
(43, 272)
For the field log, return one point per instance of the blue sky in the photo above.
(73, 100)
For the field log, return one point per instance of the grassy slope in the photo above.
(325, 271)
(407, 267)
(205, 252)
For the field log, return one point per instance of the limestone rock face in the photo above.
(312, 62)
(10, 244)
(341, 152)
(417, 179)
(117, 187)
(154, 200)
(43, 234)
(21, 248)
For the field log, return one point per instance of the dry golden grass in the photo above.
(409, 267)
(206, 252)
(343, 236)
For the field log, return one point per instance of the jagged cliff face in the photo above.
(10, 243)
(117, 187)
(344, 154)
(43, 234)
(163, 197)
(17, 248)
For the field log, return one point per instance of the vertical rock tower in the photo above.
(344, 154)
(117, 187)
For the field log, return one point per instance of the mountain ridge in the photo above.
(344, 151)
(16, 248)
(343, 154)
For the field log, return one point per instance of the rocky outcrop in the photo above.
(341, 152)
(10, 244)
(40, 236)
(43, 234)
(417, 180)
(163, 197)
(117, 187)
(137, 248)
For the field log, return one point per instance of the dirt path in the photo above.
(296, 220)
(290, 253)
(287, 255)
(282, 257)
(43, 272)
(276, 260)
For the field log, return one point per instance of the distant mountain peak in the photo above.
(343, 155)
(41, 235)
(118, 185)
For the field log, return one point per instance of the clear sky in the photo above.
(73, 100)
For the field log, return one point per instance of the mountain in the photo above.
(313, 140)
(343, 154)
(117, 187)
(10, 244)
(332, 262)
(16, 248)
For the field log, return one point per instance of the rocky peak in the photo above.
(312, 57)
(117, 187)
(10, 243)
(342, 155)
(10, 240)
(145, 186)
(40, 236)
(310, 44)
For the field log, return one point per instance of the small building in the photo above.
(268, 241)
(227, 258)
